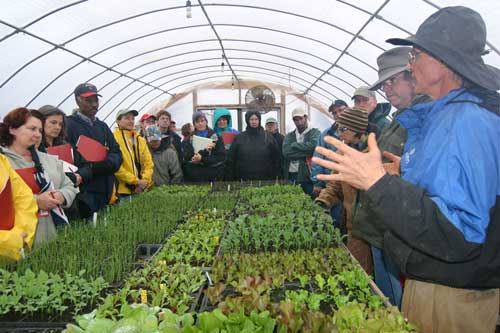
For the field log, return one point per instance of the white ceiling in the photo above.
(141, 52)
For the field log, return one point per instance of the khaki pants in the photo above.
(436, 308)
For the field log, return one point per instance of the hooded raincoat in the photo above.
(18, 212)
(137, 161)
(221, 112)
(53, 169)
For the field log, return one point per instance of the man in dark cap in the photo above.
(337, 107)
(442, 216)
(95, 194)
(398, 85)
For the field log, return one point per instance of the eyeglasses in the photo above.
(343, 129)
(413, 56)
(390, 82)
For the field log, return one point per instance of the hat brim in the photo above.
(146, 118)
(387, 76)
(134, 112)
(474, 70)
(402, 41)
(88, 94)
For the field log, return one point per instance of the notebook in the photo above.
(91, 150)
(64, 152)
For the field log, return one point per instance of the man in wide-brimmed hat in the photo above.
(442, 217)
(398, 85)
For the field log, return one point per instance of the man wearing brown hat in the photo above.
(95, 194)
(443, 214)
(377, 112)
(398, 85)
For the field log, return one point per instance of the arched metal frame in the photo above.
(218, 71)
(228, 60)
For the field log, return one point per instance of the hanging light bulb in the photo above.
(232, 82)
(189, 13)
(222, 65)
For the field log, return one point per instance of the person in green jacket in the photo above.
(298, 149)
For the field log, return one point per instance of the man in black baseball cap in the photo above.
(86, 90)
(95, 194)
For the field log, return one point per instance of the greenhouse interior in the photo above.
(250, 166)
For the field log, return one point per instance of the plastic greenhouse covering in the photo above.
(149, 54)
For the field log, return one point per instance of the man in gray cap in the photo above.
(442, 216)
(377, 112)
(298, 148)
(398, 85)
(272, 128)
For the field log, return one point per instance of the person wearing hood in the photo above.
(207, 164)
(97, 193)
(254, 154)
(377, 112)
(20, 131)
(223, 123)
(18, 220)
(136, 172)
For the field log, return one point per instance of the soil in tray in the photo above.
(32, 327)
(16, 317)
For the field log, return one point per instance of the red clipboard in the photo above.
(91, 150)
(28, 175)
(64, 152)
(228, 138)
(7, 217)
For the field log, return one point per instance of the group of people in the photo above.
(418, 195)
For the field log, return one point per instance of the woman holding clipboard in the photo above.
(204, 155)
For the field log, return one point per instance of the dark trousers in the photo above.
(307, 187)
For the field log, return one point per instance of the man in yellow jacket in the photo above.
(136, 172)
(18, 219)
